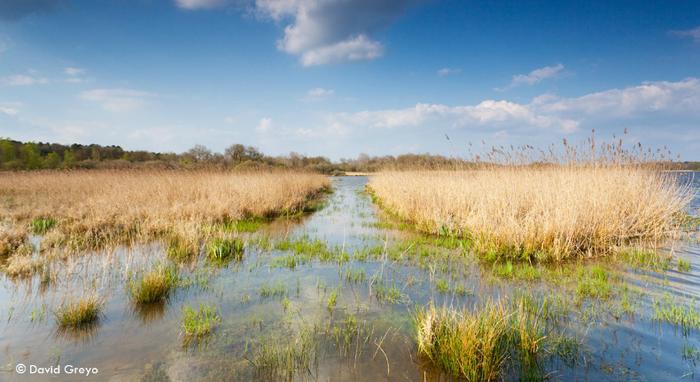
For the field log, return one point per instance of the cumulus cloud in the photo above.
(24, 80)
(536, 76)
(649, 97)
(117, 100)
(444, 72)
(13, 10)
(322, 31)
(693, 34)
(486, 113)
(547, 112)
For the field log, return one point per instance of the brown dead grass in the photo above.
(99, 208)
(545, 213)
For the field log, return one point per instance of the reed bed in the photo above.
(568, 208)
(88, 209)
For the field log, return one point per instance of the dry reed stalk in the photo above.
(95, 208)
(540, 213)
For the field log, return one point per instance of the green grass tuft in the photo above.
(199, 323)
(155, 285)
(79, 313)
(42, 225)
(221, 250)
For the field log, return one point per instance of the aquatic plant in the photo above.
(79, 313)
(593, 282)
(155, 285)
(198, 323)
(224, 249)
(277, 289)
(181, 250)
(332, 300)
(684, 316)
(282, 358)
(478, 345)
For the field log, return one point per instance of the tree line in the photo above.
(16, 155)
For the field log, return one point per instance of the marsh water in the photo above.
(349, 316)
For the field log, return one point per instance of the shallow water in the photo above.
(133, 344)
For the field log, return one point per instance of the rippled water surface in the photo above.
(378, 278)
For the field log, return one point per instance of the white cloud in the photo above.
(322, 31)
(318, 94)
(24, 80)
(486, 113)
(536, 75)
(663, 99)
(693, 34)
(117, 100)
(201, 4)
(9, 109)
(264, 125)
(661, 96)
(353, 49)
(72, 71)
(444, 72)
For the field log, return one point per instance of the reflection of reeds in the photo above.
(92, 209)
(573, 207)
(149, 312)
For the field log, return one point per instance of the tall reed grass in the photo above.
(574, 206)
(97, 208)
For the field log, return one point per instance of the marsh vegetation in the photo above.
(352, 291)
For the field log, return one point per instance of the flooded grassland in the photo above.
(347, 293)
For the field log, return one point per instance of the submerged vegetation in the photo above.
(198, 323)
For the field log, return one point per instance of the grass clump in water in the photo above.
(332, 300)
(273, 290)
(79, 313)
(181, 250)
(283, 358)
(686, 317)
(388, 294)
(479, 345)
(442, 286)
(199, 323)
(517, 271)
(221, 250)
(683, 265)
(42, 225)
(593, 283)
(155, 285)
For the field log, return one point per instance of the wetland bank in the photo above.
(344, 291)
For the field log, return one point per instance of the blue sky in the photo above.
(343, 77)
